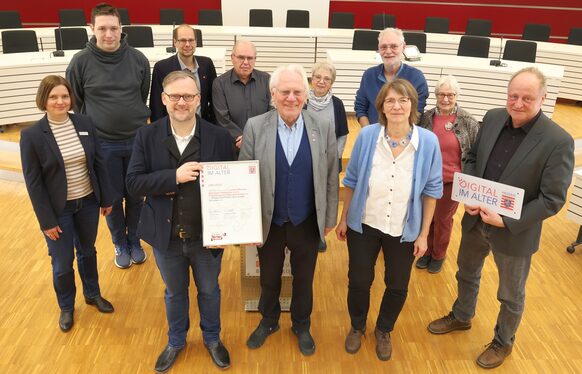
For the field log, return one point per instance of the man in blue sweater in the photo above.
(390, 46)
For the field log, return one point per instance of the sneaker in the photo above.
(383, 345)
(447, 324)
(494, 355)
(354, 340)
(122, 257)
(259, 336)
(137, 254)
(435, 266)
(423, 262)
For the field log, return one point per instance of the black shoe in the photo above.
(219, 354)
(102, 305)
(167, 358)
(435, 266)
(66, 320)
(259, 336)
(423, 262)
(306, 343)
(322, 246)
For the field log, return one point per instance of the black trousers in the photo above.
(398, 258)
(302, 240)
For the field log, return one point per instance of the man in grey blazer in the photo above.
(519, 146)
(299, 196)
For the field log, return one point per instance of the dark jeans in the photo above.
(398, 258)
(441, 226)
(303, 241)
(513, 272)
(174, 264)
(78, 223)
(122, 224)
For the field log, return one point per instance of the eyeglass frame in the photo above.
(183, 97)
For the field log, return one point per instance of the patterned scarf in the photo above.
(319, 103)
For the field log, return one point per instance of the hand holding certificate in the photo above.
(230, 193)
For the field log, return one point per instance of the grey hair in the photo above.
(241, 41)
(291, 68)
(392, 30)
(535, 71)
(448, 80)
(326, 66)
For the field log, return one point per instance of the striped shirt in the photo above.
(78, 181)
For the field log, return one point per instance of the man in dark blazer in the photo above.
(299, 195)
(202, 67)
(519, 146)
(164, 168)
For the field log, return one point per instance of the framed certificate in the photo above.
(230, 193)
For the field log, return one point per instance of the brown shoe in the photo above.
(494, 355)
(353, 340)
(447, 324)
(383, 345)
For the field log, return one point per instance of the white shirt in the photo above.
(390, 186)
(182, 141)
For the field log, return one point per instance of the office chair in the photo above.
(536, 32)
(260, 18)
(416, 38)
(73, 38)
(519, 50)
(365, 40)
(10, 19)
(478, 27)
(437, 25)
(72, 17)
(123, 16)
(575, 36)
(16, 41)
(210, 17)
(297, 18)
(171, 16)
(139, 36)
(342, 20)
(474, 46)
(381, 21)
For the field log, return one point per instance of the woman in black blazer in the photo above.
(67, 182)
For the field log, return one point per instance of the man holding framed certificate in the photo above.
(164, 167)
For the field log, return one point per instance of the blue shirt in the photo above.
(290, 137)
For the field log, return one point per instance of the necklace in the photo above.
(395, 143)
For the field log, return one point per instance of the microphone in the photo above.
(60, 52)
(172, 49)
(41, 47)
(498, 61)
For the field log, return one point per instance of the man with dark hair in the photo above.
(201, 67)
(110, 82)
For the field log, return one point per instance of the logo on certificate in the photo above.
(217, 236)
(252, 169)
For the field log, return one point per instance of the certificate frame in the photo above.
(230, 195)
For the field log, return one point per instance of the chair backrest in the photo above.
(124, 16)
(519, 50)
(478, 27)
(381, 21)
(438, 25)
(537, 32)
(575, 36)
(139, 36)
(261, 18)
(198, 34)
(342, 20)
(72, 38)
(171, 16)
(72, 17)
(297, 18)
(16, 41)
(416, 38)
(474, 46)
(10, 19)
(365, 40)
(211, 17)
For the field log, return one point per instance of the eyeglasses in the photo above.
(187, 41)
(250, 59)
(385, 47)
(319, 78)
(449, 96)
(287, 93)
(401, 101)
(175, 97)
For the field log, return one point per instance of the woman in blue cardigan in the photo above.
(392, 182)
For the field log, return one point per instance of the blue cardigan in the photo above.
(373, 80)
(427, 178)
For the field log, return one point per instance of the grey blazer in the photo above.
(259, 142)
(542, 165)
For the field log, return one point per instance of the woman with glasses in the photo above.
(392, 182)
(456, 130)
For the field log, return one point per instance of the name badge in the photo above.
(85, 133)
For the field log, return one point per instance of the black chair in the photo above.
(536, 32)
(297, 18)
(381, 21)
(437, 25)
(198, 34)
(10, 19)
(474, 46)
(416, 38)
(519, 50)
(16, 41)
(123, 16)
(260, 18)
(72, 17)
(342, 20)
(478, 27)
(365, 40)
(575, 36)
(73, 38)
(171, 16)
(211, 17)
(139, 36)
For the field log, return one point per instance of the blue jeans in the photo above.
(78, 223)
(513, 272)
(122, 224)
(174, 264)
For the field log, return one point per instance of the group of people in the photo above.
(398, 182)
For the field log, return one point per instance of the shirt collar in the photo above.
(184, 138)
(381, 75)
(234, 77)
(297, 125)
(183, 65)
(527, 127)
